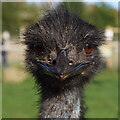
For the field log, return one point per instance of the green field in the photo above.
(101, 96)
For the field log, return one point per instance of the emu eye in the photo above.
(39, 48)
(88, 49)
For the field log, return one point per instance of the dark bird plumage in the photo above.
(62, 54)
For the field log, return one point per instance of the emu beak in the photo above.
(70, 73)
(75, 70)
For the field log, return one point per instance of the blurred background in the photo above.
(20, 97)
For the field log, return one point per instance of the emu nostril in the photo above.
(70, 63)
(54, 62)
(50, 60)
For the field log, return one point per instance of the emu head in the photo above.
(62, 47)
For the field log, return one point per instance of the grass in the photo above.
(101, 96)
(19, 99)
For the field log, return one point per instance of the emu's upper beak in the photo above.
(52, 71)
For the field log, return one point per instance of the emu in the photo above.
(62, 53)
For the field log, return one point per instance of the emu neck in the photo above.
(64, 105)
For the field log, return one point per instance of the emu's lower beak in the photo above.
(70, 73)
